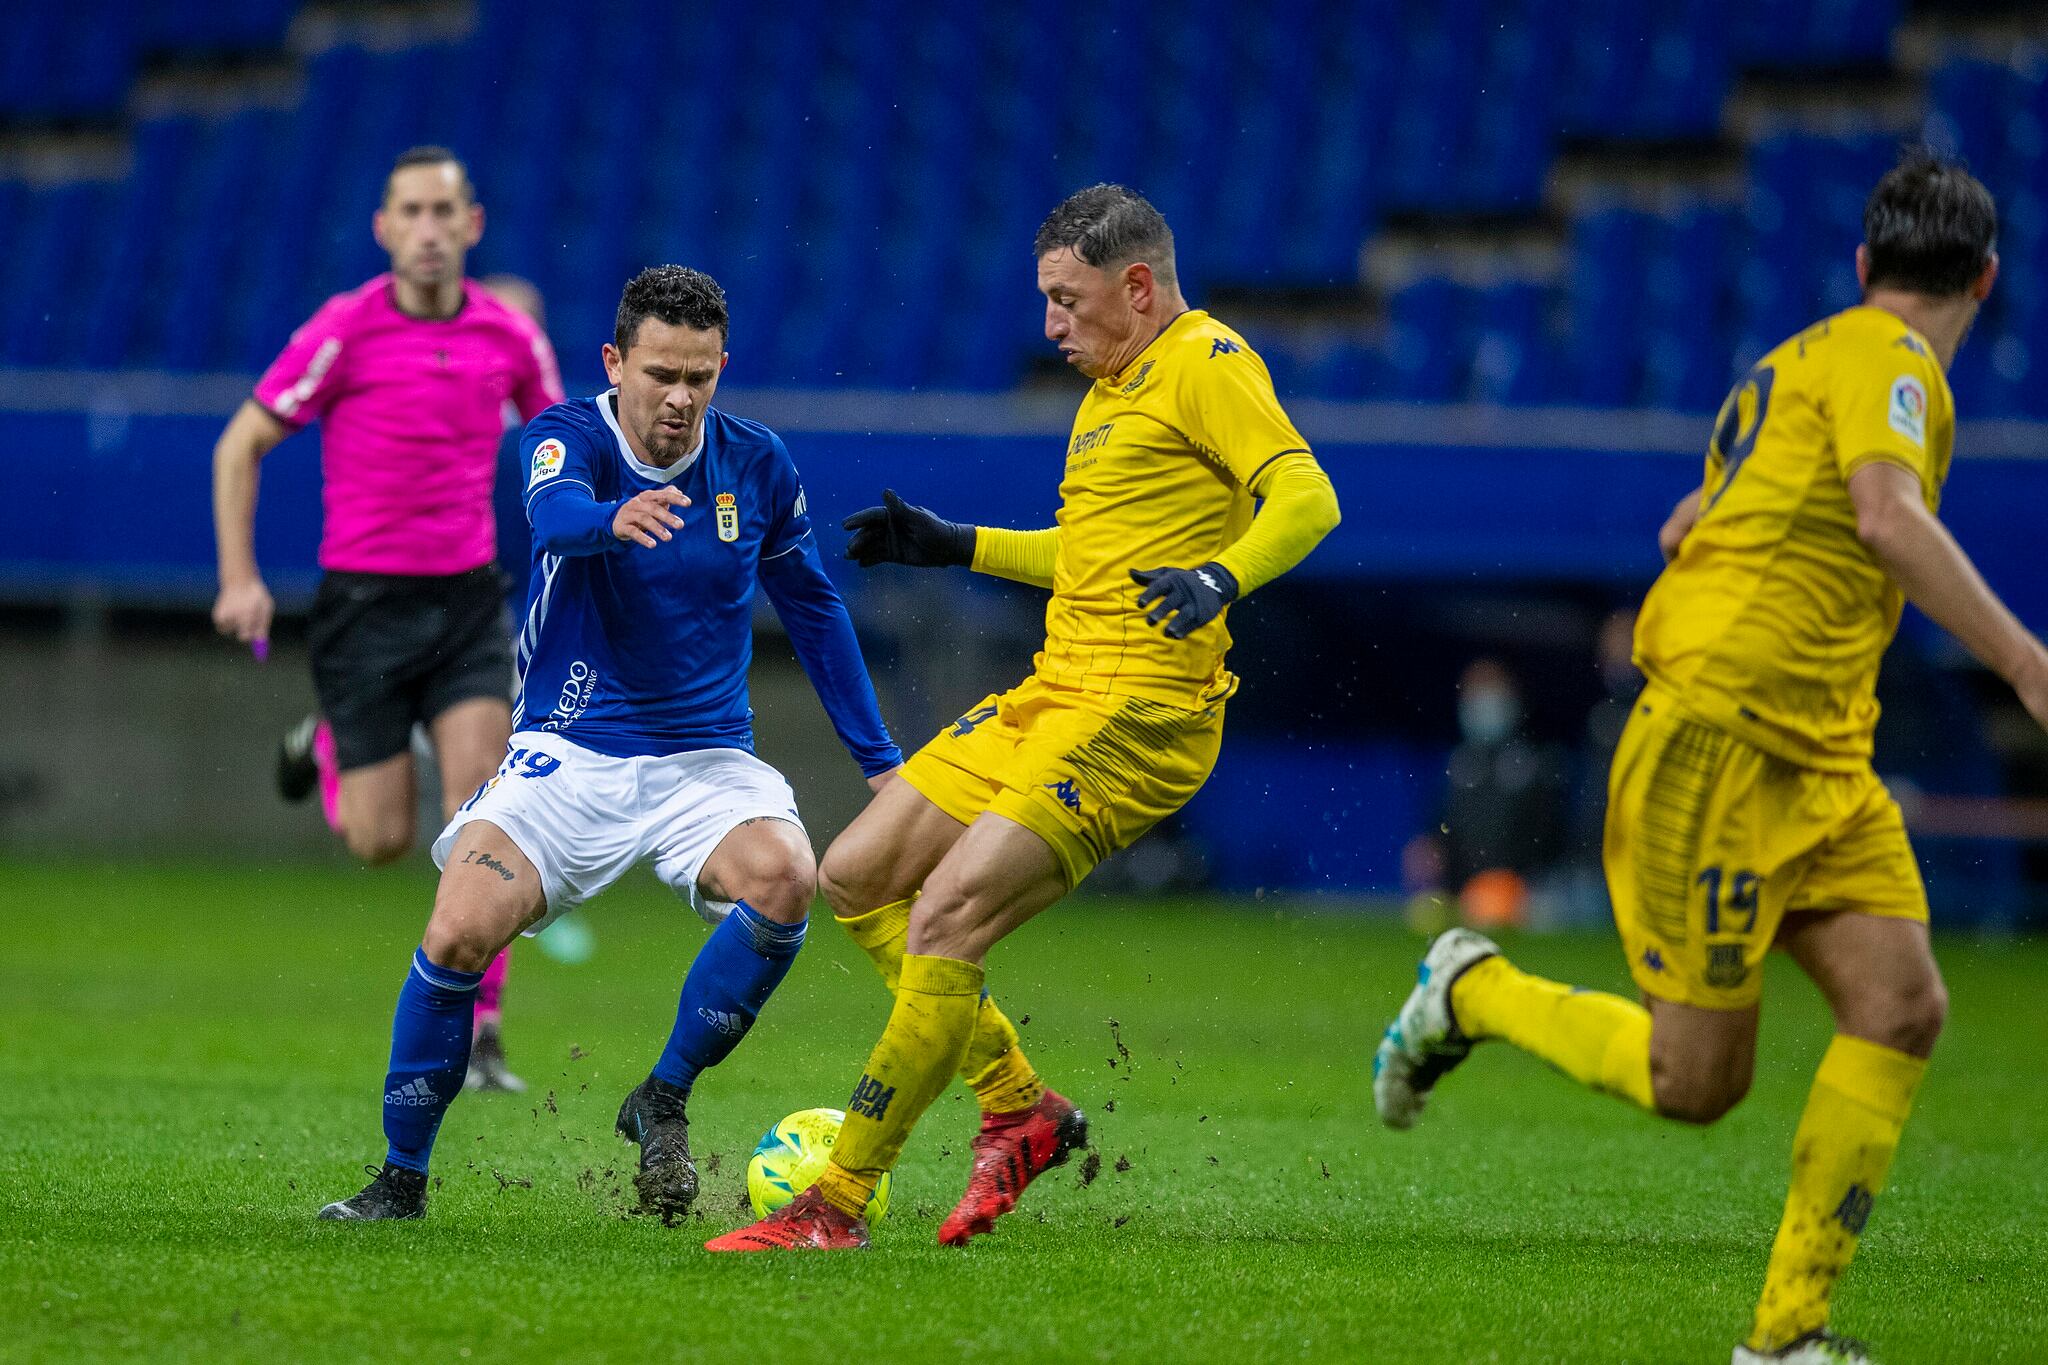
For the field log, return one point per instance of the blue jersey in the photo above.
(631, 651)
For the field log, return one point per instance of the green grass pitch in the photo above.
(190, 1060)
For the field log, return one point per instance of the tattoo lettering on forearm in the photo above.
(486, 860)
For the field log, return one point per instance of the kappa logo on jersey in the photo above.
(1067, 792)
(870, 1097)
(1223, 346)
(547, 461)
(1908, 411)
(728, 508)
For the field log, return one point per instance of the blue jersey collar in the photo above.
(650, 472)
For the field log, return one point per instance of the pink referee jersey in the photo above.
(411, 413)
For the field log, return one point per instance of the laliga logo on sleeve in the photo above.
(547, 461)
(728, 508)
(1908, 412)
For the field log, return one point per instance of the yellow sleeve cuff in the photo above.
(1020, 556)
(1300, 509)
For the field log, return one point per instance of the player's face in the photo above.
(666, 378)
(1088, 312)
(428, 224)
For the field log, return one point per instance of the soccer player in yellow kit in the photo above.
(1011, 805)
(1742, 809)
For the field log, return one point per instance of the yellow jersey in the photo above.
(1163, 467)
(1772, 619)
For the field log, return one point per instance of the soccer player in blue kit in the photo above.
(632, 739)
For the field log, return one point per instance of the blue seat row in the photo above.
(867, 193)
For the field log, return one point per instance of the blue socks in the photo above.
(430, 1034)
(736, 971)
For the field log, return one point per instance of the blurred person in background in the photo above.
(409, 376)
(569, 939)
(1581, 886)
(1500, 827)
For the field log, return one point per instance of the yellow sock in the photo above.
(1598, 1040)
(1003, 1079)
(1854, 1115)
(928, 1033)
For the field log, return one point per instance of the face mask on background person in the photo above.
(1487, 715)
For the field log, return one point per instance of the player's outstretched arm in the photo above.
(243, 608)
(1937, 576)
(1679, 524)
(821, 632)
(1299, 509)
(898, 532)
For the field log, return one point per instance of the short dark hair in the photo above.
(431, 155)
(1930, 226)
(674, 294)
(1109, 226)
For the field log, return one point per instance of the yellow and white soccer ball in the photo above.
(793, 1154)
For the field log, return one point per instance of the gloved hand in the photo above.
(899, 533)
(1192, 597)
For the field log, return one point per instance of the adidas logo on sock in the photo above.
(726, 1022)
(414, 1093)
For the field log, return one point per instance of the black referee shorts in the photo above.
(390, 650)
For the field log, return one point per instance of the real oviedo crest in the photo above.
(728, 508)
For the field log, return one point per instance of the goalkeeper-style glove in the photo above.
(1192, 597)
(899, 533)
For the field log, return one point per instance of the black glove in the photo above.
(1193, 597)
(898, 533)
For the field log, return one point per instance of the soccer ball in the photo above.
(793, 1154)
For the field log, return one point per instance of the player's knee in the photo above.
(379, 844)
(459, 945)
(852, 880)
(1694, 1097)
(1907, 1017)
(778, 883)
(951, 917)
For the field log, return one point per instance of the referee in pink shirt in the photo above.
(409, 376)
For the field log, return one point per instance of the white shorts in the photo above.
(583, 818)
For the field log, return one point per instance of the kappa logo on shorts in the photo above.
(1727, 966)
(1653, 959)
(1067, 792)
(547, 461)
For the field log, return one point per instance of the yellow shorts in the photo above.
(1086, 772)
(1711, 842)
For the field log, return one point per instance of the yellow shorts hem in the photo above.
(1076, 859)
